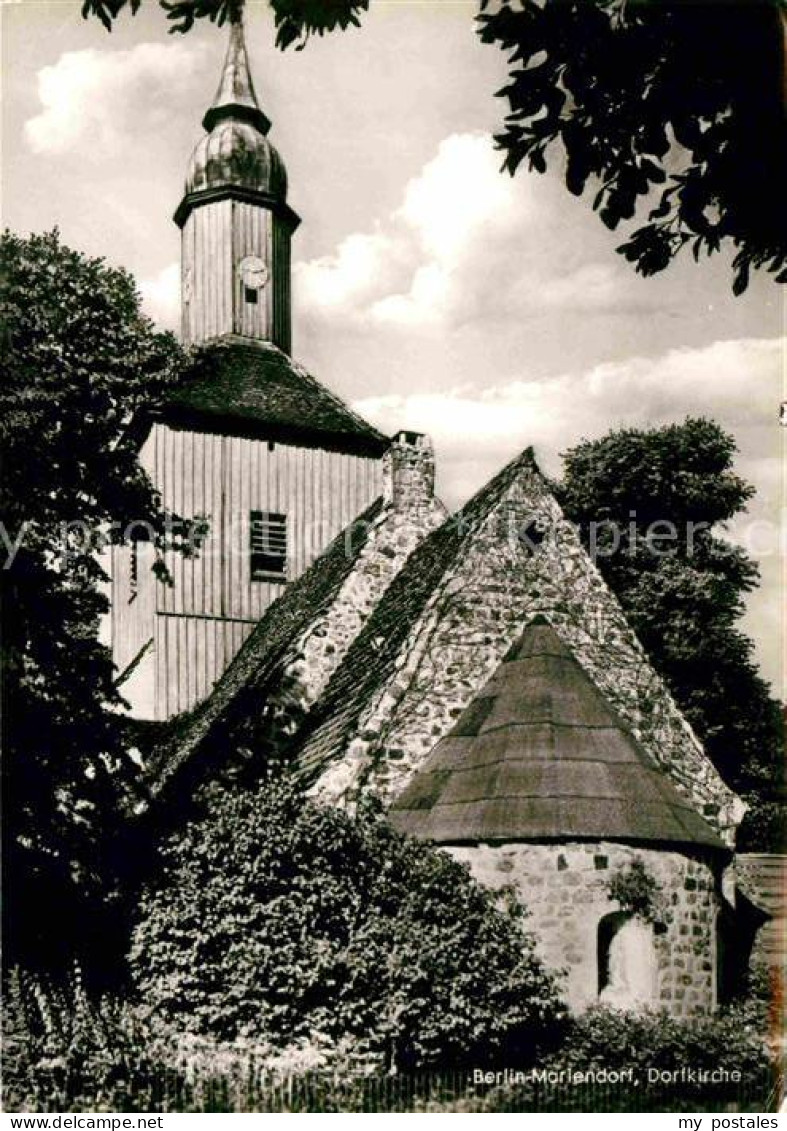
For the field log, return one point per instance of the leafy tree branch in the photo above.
(658, 110)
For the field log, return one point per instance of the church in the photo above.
(275, 463)
(471, 670)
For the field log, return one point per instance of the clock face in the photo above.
(253, 272)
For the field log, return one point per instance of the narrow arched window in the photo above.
(627, 967)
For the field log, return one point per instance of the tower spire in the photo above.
(235, 97)
(235, 219)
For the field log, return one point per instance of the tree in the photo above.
(275, 918)
(649, 504)
(79, 359)
(646, 97)
(664, 107)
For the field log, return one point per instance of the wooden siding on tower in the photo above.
(251, 235)
(202, 619)
(208, 263)
(216, 237)
(133, 609)
(191, 654)
(280, 286)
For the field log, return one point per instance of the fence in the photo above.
(250, 1091)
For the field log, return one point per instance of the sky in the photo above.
(430, 290)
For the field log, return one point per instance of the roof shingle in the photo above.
(253, 388)
(540, 755)
(259, 658)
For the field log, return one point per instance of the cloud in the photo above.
(457, 195)
(476, 430)
(444, 256)
(339, 281)
(91, 100)
(161, 297)
(728, 380)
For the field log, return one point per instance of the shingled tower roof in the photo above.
(540, 755)
(252, 388)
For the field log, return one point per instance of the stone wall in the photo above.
(409, 473)
(524, 559)
(565, 889)
(409, 516)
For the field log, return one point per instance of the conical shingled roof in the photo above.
(540, 755)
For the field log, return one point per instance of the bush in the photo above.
(636, 891)
(65, 1052)
(733, 1040)
(276, 919)
(764, 825)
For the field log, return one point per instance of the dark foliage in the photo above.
(671, 109)
(734, 1040)
(296, 20)
(636, 891)
(684, 593)
(276, 918)
(63, 1051)
(66, 1052)
(78, 359)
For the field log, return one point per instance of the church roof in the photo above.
(258, 660)
(251, 387)
(563, 762)
(234, 155)
(539, 754)
(371, 663)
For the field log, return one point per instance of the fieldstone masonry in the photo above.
(565, 889)
(517, 560)
(366, 717)
(523, 559)
(410, 513)
(409, 474)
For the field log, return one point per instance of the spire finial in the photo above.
(235, 97)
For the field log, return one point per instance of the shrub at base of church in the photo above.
(275, 918)
(732, 1045)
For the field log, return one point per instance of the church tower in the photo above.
(235, 221)
(250, 445)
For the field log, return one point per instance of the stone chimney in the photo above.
(408, 472)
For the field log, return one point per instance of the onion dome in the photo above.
(235, 151)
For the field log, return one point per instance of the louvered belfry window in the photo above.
(268, 545)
